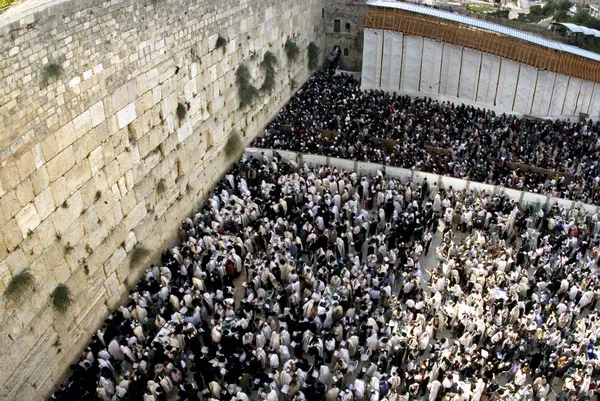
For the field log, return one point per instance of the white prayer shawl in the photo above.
(115, 350)
(325, 376)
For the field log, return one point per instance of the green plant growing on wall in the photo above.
(181, 111)
(313, 56)
(268, 64)
(137, 255)
(247, 92)
(292, 50)
(161, 187)
(51, 72)
(18, 285)
(221, 43)
(61, 298)
(234, 146)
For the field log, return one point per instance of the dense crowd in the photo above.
(308, 284)
(475, 144)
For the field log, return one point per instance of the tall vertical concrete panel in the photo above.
(370, 61)
(82, 153)
(559, 95)
(525, 89)
(411, 63)
(430, 66)
(488, 78)
(450, 70)
(507, 85)
(543, 93)
(585, 96)
(469, 74)
(572, 97)
(391, 61)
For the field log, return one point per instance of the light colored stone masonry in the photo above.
(81, 156)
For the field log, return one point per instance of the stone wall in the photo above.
(94, 158)
(351, 15)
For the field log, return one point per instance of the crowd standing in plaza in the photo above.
(475, 143)
(307, 284)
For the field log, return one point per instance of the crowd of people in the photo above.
(439, 137)
(318, 284)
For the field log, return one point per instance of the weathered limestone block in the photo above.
(97, 112)
(24, 192)
(26, 165)
(28, 219)
(126, 115)
(40, 180)
(44, 203)
(60, 164)
(60, 191)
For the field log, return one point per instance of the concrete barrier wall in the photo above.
(524, 198)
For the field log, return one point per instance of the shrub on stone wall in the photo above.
(291, 50)
(161, 187)
(18, 285)
(61, 298)
(181, 111)
(268, 64)
(234, 145)
(313, 56)
(51, 72)
(137, 255)
(247, 92)
(221, 43)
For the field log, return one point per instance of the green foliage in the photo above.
(51, 72)
(247, 92)
(137, 255)
(61, 298)
(221, 43)
(181, 111)
(269, 83)
(161, 187)
(313, 56)
(18, 285)
(268, 64)
(234, 146)
(292, 50)
(6, 3)
(564, 5)
(581, 17)
(501, 13)
(479, 9)
(561, 16)
(269, 60)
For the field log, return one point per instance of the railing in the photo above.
(524, 198)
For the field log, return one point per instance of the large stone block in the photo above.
(44, 203)
(62, 163)
(40, 180)
(126, 115)
(26, 165)
(24, 192)
(28, 219)
(97, 112)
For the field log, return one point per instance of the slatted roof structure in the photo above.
(485, 36)
(579, 29)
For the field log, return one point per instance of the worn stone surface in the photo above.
(350, 15)
(81, 154)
